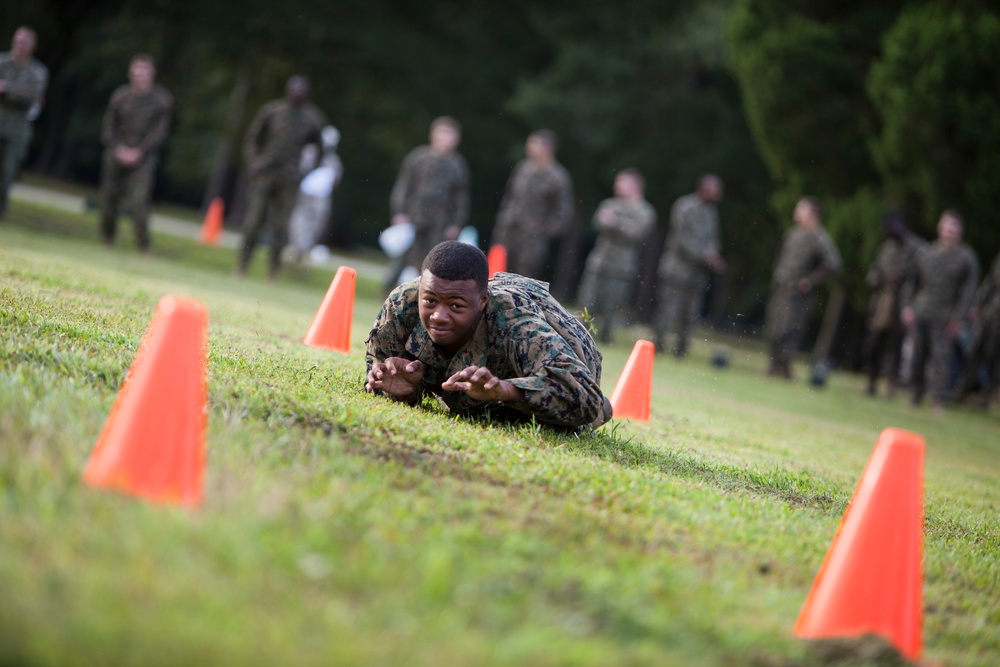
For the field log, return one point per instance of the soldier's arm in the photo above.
(561, 211)
(688, 241)
(254, 138)
(967, 289)
(829, 262)
(638, 225)
(508, 196)
(25, 93)
(460, 195)
(158, 130)
(401, 197)
(558, 386)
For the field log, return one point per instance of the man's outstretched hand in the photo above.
(396, 377)
(479, 383)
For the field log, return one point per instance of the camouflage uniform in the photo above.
(808, 254)
(895, 262)
(537, 208)
(25, 84)
(137, 120)
(433, 190)
(941, 291)
(683, 269)
(613, 264)
(272, 150)
(524, 337)
(985, 346)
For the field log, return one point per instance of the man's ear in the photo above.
(484, 298)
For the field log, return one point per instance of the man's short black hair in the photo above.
(454, 260)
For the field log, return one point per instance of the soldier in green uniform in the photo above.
(807, 259)
(692, 252)
(22, 85)
(622, 222)
(135, 126)
(895, 261)
(502, 347)
(272, 150)
(937, 300)
(432, 194)
(984, 348)
(537, 207)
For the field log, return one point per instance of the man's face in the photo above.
(444, 138)
(450, 310)
(537, 148)
(22, 45)
(141, 74)
(297, 92)
(949, 230)
(804, 216)
(711, 190)
(627, 187)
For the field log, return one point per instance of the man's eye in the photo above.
(457, 306)
(429, 302)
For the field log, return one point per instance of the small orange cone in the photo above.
(497, 259)
(211, 228)
(152, 444)
(871, 579)
(332, 325)
(633, 393)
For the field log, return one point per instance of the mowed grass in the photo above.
(339, 528)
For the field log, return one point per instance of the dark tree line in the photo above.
(867, 105)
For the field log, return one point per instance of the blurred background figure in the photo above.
(135, 126)
(895, 262)
(537, 207)
(807, 259)
(692, 253)
(622, 223)
(983, 365)
(315, 198)
(432, 194)
(272, 151)
(939, 296)
(22, 86)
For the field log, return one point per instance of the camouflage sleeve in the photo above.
(110, 135)
(161, 124)
(460, 194)
(254, 139)
(506, 204)
(24, 93)
(559, 387)
(561, 214)
(967, 290)
(638, 225)
(829, 261)
(401, 197)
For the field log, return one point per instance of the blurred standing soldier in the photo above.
(22, 84)
(135, 126)
(894, 263)
(692, 252)
(622, 223)
(807, 259)
(985, 346)
(938, 299)
(272, 150)
(537, 207)
(432, 194)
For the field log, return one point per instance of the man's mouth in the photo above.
(439, 332)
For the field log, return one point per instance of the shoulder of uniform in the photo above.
(164, 95)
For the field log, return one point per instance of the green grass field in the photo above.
(340, 528)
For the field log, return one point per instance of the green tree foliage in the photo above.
(937, 91)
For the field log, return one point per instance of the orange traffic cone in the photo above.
(211, 228)
(332, 325)
(633, 393)
(497, 259)
(871, 579)
(152, 444)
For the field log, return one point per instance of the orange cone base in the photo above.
(331, 328)
(633, 393)
(497, 259)
(871, 579)
(152, 444)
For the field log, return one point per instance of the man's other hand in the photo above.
(479, 383)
